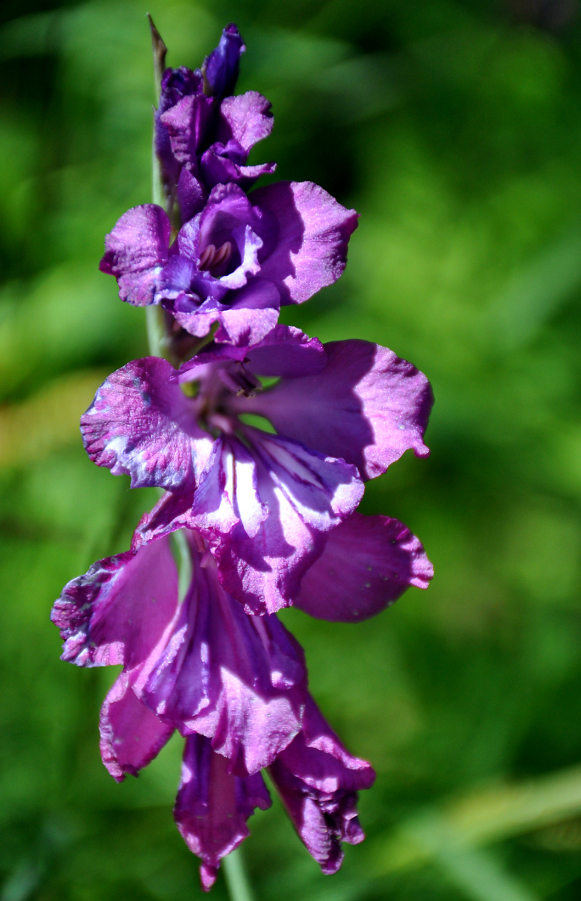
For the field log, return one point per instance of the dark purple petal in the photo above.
(238, 680)
(309, 232)
(131, 735)
(117, 611)
(212, 805)
(142, 425)
(367, 563)
(367, 405)
(303, 494)
(318, 781)
(222, 65)
(179, 83)
(246, 119)
(136, 251)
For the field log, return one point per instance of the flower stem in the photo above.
(236, 878)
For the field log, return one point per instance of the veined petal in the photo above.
(305, 495)
(131, 735)
(213, 805)
(318, 781)
(309, 232)
(227, 492)
(238, 680)
(135, 252)
(367, 405)
(118, 610)
(141, 424)
(366, 564)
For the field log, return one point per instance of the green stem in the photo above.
(236, 878)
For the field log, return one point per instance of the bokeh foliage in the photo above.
(454, 128)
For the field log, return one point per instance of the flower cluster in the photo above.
(260, 440)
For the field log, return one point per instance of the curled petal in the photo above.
(318, 781)
(117, 611)
(140, 424)
(212, 806)
(136, 251)
(247, 119)
(309, 232)
(366, 564)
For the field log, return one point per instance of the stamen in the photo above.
(206, 260)
(212, 257)
(223, 254)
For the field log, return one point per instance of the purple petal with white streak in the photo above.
(238, 680)
(304, 494)
(142, 425)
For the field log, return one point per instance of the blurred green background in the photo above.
(455, 129)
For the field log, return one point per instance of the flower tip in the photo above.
(208, 876)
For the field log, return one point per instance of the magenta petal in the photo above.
(212, 806)
(313, 230)
(367, 563)
(284, 352)
(142, 425)
(367, 405)
(318, 781)
(118, 610)
(302, 495)
(136, 251)
(238, 680)
(131, 735)
(247, 119)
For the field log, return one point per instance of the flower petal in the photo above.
(212, 805)
(135, 252)
(222, 64)
(131, 735)
(141, 424)
(367, 405)
(247, 119)
(304, 495)
(238, 680)
(117, 611)
(367, 563)
(309, 233)
(318, 781)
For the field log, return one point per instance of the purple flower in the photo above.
(236, 261)
(265, 502)
(234, 685)
(203, 135)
